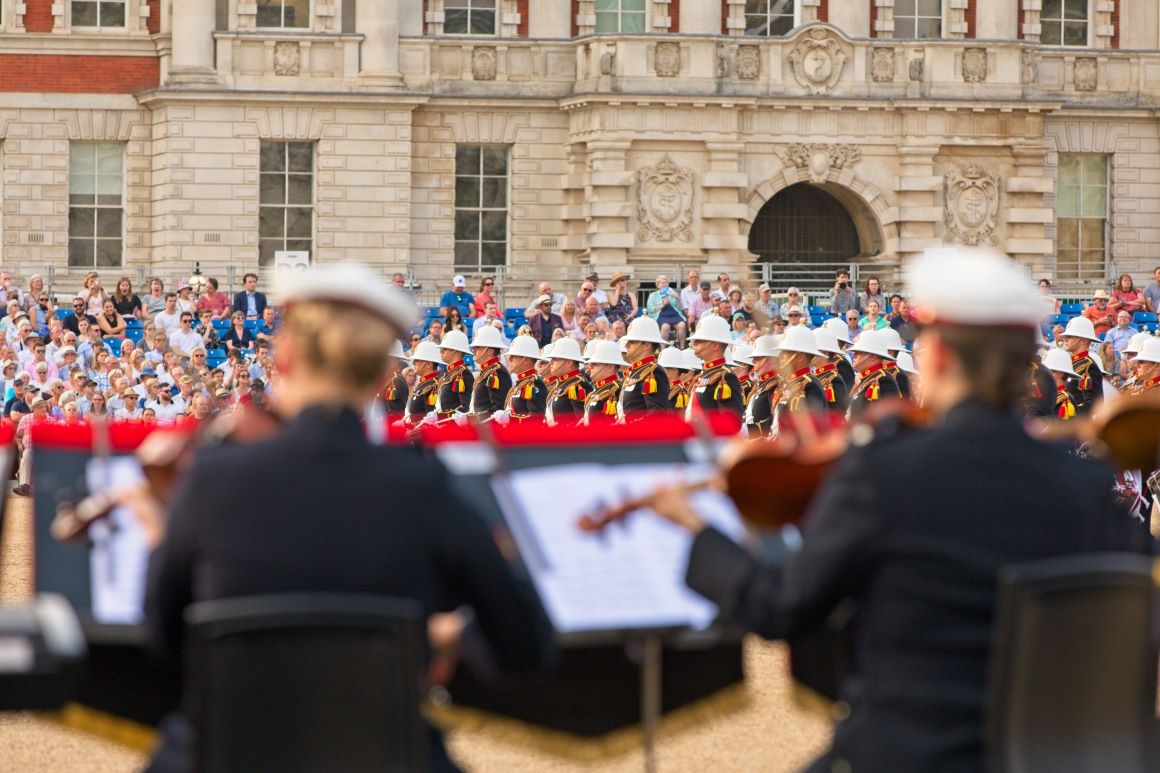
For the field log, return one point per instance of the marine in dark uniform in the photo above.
(1087, 383)
(646, 387)
(797, 391)
(743, 368)
(569, 388)
(759, 409)
(405, 532)
(716, 388)
(421, 400)
(457, 382)
(922, 569)
(901, 377)
(874, 383)
(845, 370)
(528, 396)
(1041, 392)
(494, 381)
(396, 394)
(834, 388)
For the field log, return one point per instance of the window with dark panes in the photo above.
(469, 17)
(481, 206)
(918, 18)
(769, 18)
(1081, 212)
(285, 199)
(1064, 23)
(97, 14)
(283, 13)
(621, 16)
(96, 211)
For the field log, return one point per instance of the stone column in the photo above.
(918, 193)
(610, 207)
(1024, 208)
(378, 22)
(192, 61)
(724, 207)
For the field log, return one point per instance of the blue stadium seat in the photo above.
(817, 320)
(1071, 308)
(1144, 317)
(221, 325)
(133, 322)
(252, 325)
(1058, 319)
(817, 311)
(114, 342)
(431, 312)
(64, 313)
(513, 312)
(135, 334)
(1151, 326)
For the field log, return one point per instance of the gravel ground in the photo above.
(770, 735)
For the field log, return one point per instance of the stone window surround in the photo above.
(658, 20)
(805, 11)
(96, 206)
(325, 16)
(507, 20)
(136, 18)
(954, 19)
(1100, 27)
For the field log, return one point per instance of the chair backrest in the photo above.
(1073, 669)
(306, 682)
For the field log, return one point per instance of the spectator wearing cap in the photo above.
(457, 297)
(622, 304)
(793, 298)
(249, 301)
(1101, 316)
(737, 327)
(543, 321)
(873, 319)
(795, 316)
(1122, 333)
(600, 295)
(702, 304)
(18, 394)
(185, 301)
(765, 306)
(216, 303)
(558, 299)
(664, 306)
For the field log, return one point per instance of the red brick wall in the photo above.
(1116, 24)
(724, 18)
(38, 16)
(824, 11)
(575, 10)
(1019, 20)
(873, 18)
(78, 74)
(522, 9)
(675, 15)
(970, 13)
(154, 20)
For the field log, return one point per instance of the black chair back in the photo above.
(305, 683)
(1073, 670)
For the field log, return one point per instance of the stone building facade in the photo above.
(531, 138)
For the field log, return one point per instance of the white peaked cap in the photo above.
(455, 341)
(839, 328)
(1136, 342)
(765, 346)
(524, 346)
(892, 339)
(566, 349)
(348, 283)
(972, 286)
(1080, 327)
(826, 340)
(1059, 361)
(644, 329)
(396, 350)
(672, 357)
(692, 361)
(799, 338)
(606, 353)
(587, 350)
(1149, 350)
(426, 351)
(743, 354)
(489, 338)
(546, 352)
(712, 328)
(906, 362)
(870, 342)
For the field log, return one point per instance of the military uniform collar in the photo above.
(644, 361)
(430, 376)
(712, 364)
(569, 375)
(489, 363)
(827, 368)
(605, 381)
(876, 368)
(803, 372)
(455, 365)
(1150, 383)
(529, 373)
(1079, 356)
(767, 376)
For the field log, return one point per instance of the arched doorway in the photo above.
(805, 233)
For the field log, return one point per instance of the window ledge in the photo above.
(79, 43)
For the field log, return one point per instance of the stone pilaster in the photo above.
(1024, 209)
(610, 180)
(378, 22)
(192, 60)
(919, 191)
(723, 207)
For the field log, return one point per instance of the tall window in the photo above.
(481, 184)
(469, 17)
(1064, 23)
(918, 18)
(95, 203)
(285, 199)
(1081, 213)
(283, 13)
(88, 13)
(620, 15)
(771, 18)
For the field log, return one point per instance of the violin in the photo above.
(1125, 431)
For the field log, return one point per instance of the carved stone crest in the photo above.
(817, 160)
(287, 58)
(818, 61)
(974, 65)
(667, 60)
(1030, 67)
(748, 62)
(665, 202)
(882, 65)
(971, 206)
(483, 63)
(1086, 73)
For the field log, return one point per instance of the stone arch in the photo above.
(874, 218)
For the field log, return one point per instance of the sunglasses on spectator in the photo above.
(793, 295)
(199, 354)
(44, 300)
(489, 284)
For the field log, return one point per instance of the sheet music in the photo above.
(119, 559)
(630, 576)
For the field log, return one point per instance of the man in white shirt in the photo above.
(184, 341)
(169, 320)
(130, 409)
(490, 318)
(692, 289)
(164, 407)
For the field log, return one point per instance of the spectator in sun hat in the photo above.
(1102, 317)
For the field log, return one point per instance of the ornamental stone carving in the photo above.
(665, 202)
(974, 65)
(287, 58)
(971, 206)
(882, 65)
(667, 60)
(1086, 74)
(748, 62)
(1030, 67)
(483, 63)
(817, 160)
(818, 61)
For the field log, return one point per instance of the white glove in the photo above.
(459, 418)
(429, 418)
(501, 418)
